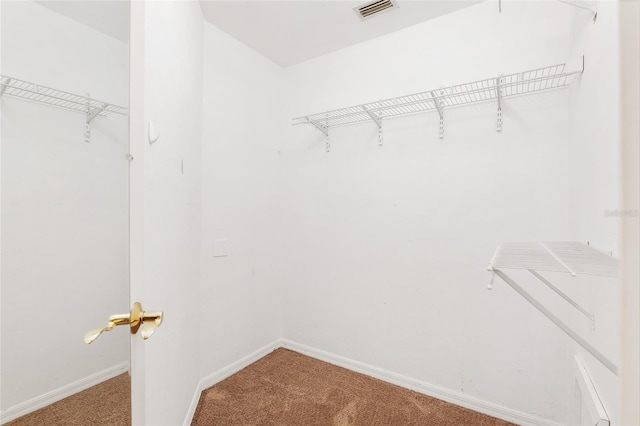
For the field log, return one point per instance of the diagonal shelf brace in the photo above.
(322, 128)
(376, 119)
(373, 116)
(560, 261)
(93, 113)
(546, 312)
(436, 102)
(564, 296)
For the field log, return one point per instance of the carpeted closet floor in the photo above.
(108, 403)
(284, 388)
(287, 388)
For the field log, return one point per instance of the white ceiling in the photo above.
(110, 17)
(285, 31)
(289, 32)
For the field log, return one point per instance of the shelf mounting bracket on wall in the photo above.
(324, 129)
(373, 116)
(377, 120)
(94, 112)
(499, 97)
(439, 107)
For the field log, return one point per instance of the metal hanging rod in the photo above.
(491, 89)
(92, 108)
(569, 257)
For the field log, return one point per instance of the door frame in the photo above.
(136, 199)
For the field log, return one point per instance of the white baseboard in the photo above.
(225, 372)
(589, 395)
(56, 395)
(428, 389)
(444, 394)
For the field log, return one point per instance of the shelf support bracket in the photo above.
(440, 109)
(4, 85)
(324, 129)
(373, 116)
(546, 312)
(94, 113)
(565, 297)
(91, 114)
(499, 96)
(376, 119)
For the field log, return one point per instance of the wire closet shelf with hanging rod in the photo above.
(570, 257)
(490, 89)
(92, 108)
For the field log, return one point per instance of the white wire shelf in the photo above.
(558, 256)
(92, 108)
(490, 89)
(33, 92)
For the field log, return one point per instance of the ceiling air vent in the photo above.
(369, 9)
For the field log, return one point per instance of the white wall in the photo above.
(382, 250)
(388, 246)
(594, 184)
(64, 207)
(241, 201)
(173, 67)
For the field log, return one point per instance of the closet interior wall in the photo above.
(595, 202)
(378, 254)
(388, 245)
(64, 206)
(242, 201)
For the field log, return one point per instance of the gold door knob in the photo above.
(147, 322)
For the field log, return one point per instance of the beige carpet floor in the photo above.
(287, 388)
(108, 404)
(283, 388)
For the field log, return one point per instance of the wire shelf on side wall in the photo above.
(33, 92)
(556, 256)
(569, 257)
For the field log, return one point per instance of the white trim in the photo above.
(194, 404)
(65, 391)
(227, 371)
(424, 388)
(595, 408)
(428, 389)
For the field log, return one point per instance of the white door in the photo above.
(166, 90)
